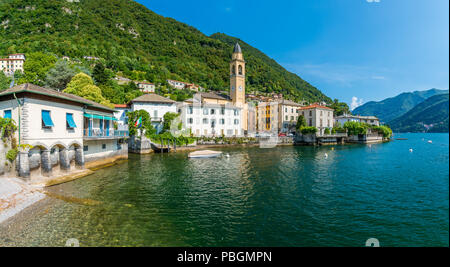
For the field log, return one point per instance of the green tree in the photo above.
(4, 81)
(59, 76)
(83, 85)
(147, 128)
(99, 74)
(168, 118)
(301, 122)
(340, 108)
(36, 67)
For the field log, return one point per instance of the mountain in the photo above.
(137, 43)
(433, 112)
(392, 108)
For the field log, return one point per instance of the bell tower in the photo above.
(237, 76)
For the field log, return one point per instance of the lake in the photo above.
(284, 196)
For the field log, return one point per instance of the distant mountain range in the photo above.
(395, 107)
(429, 116)
(419, 111)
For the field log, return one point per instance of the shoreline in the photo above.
(17, 195)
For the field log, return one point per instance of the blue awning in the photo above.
(100, 117)
(47, 119)
(70, 121)
(7, 114)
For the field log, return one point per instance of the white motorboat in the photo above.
(205, 154)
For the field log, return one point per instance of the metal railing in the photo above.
(103, 133)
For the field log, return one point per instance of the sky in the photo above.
(353, 50)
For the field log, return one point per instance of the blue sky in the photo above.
(361, 49)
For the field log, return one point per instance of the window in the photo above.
(236, 112)
(310, 122)
(292, 118)
(213, 123)
(103, 146)
(222, 111)
(287, 117)
(285, 110)
(236, 122)
(190, 110)
(222, 121)
(292, 110)
(205, 111)
(155, 113)
(205, 121)
(213, 111)
(85, 148)
(70, 123)
(229, 132)
(321, 113)
(240, 70)
(310, 113)
(46, 119)
(7, 114)
(190, 120)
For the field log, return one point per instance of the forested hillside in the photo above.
(133, 42)
(429, 116)
(394, 107)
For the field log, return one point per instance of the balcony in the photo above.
(102, 134)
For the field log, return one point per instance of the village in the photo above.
(56, 133)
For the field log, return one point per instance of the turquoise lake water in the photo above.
(284, 196)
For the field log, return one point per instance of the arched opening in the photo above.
(240, 70)
(233, 69)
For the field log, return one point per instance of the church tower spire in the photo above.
(237, 76)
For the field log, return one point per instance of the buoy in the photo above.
(326, 155)
(332, 148)
(410, 150)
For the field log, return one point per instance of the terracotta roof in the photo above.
(12, 59)
(153, 98)
(31, 88)
(144, 83)
(121, 106)
(315, 106)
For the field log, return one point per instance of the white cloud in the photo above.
(356, 102)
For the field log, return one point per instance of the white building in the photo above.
(146, 87)
(65, 131)
(177, 84)
(372, 120)
(210, 115)
(156, 105)
(13, 63)
(121, 113)
(318, 116)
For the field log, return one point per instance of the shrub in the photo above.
(356, 128)
(384, 130)
(12, 154)
(327, 131)
(308, 130)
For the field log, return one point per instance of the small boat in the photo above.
(401, 139)
(430, 142)
(205, 154)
